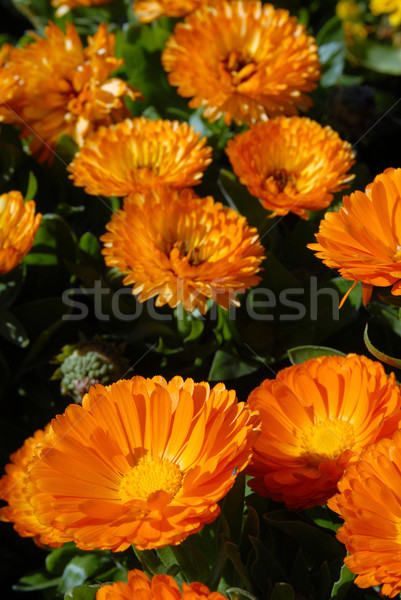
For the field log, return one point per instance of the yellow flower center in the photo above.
(154, 481)
(239, 67)
(326, 440)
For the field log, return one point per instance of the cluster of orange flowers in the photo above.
(145, 461)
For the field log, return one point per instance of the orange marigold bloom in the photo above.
(182, 248)
(140, 154)
(149, 10)
(161, 587)
(13, 490)
(316, 417)
(370, 504)
(67, 89)
(142, 461)
(292, 164)
(18, 226)
(64, 6)
(242, 60)
(363, 239)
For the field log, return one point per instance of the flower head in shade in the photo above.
(292, 164)
(390, 7)
(370, 504)
(64, 6)
(161, 587)
(242, 60)
(13, 490)
(143, 462)
(65, 88)
(183, 249)
(149, 10)
(363, 239)
(139, 154)
(18, 226)
(316, 417)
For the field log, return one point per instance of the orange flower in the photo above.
(67, 89)
(10, 93)
(64, 6)
(142, 461)
(316, 417)
(292, 164)
(139, 154)
(370, 504)
(242, 60)
(363, 239)
(149, 10)
(182, 248)
(18, 226)
(161, 587)
(13, 490)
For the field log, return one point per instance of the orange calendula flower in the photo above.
(370, 504)
(142, 461)
(149, 10)
(140, 154)
(161, 587)
(64, 6)
(317, 417)
(242, 60)
(363, 239)
(18, 226)
(183, 249)
(13, 490)
(65, 88)
(292, 164)
(390, 7)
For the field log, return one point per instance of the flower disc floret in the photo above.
(183, 249)
(291, 164)
(243, 60)
(143, 462)
(317, 417)
(18, 227)
(370, 504)
(363, 239)
(140, 154)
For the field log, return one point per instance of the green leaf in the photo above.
(332, 57)
(323, 517)
(300, 354)
(32, 187)
(36, 581)
(12, 329)
(389, 360)
(82, 592)
(54, 242)
(226, 365)
(282, 591)
(238, 197)
(81, 568)
(90, 251)
(342, 585)
(317, 544)
(376, 56)
(58, 558)
(10, 285)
